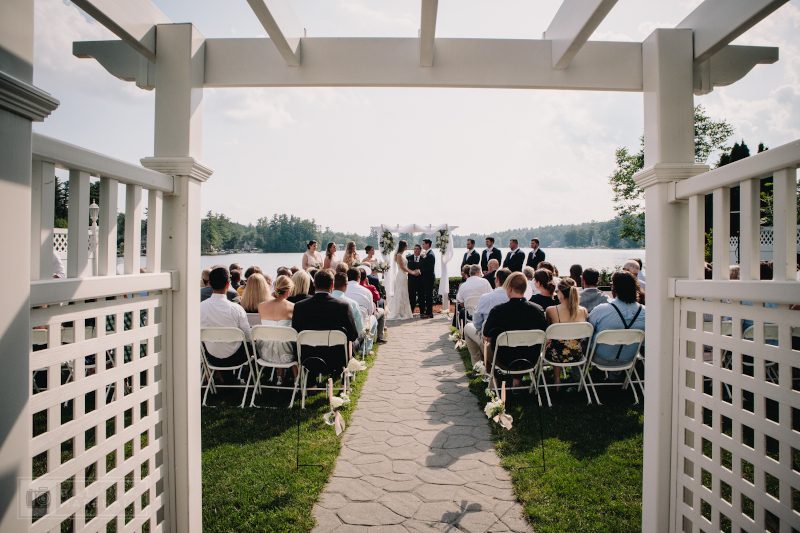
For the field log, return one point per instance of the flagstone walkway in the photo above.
(418, 455)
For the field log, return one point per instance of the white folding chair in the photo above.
(532, 339)
(320, 339)
(272, 334)
(619, 338)
(225, 334)
(579, 331)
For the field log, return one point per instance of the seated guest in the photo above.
(494, 264)
(473, 335)
(311, 273)
(465, 273)
(294, 270)
(575, 272)
(255, 292)
(283, 271)
(207, 291)
(322, 312)
(515, 314)
(622, 312)
(634, 267)
(474, 286)
(553, 270)
(341, 267)
(364, 299)
(302, 285)
(236, 279)
(361, 320)
(529, 272)
(218, 311)
(366, 283)
(543, 282)
(277, 311)
(591, 296)
(247, 273)
(567, 311)
(235, 266)
(204, 282)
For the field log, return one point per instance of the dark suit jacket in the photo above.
(206, 292)
(324, 312)
(414, 263)
(535, 259)
(516, 314)
(490, 277)
(514, 260)
(428, 266)
(470, 258)
(496, 254)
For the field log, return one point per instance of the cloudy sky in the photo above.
(484, 160)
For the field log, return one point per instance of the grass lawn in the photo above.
(592, 479)
(250, 478)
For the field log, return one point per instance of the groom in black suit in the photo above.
(427, 279)
(490, 253)
(414, 282)
(515, 259)
(471, 256)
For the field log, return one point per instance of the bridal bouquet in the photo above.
(496, 409)
(380, 266)
(387, 242)
(442, 240)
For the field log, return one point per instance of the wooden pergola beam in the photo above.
(716, 23)
(572, 26)
(427, 32)
(133, 21)
(287, 40)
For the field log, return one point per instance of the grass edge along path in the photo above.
(250, 481)
(593, 458)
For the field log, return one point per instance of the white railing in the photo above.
(49, 154)
(767, 241)
(99, 355)
(736, 444)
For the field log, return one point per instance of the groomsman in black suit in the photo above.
(536, 255)
(427, 279)
(414, 282)
(515, 258)
(490, 253)
(471, 256)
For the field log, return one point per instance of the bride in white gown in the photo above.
(399, 305)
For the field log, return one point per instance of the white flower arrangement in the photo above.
(387, 242)
(380, 266)
(495, 409)
(334, 417)
(442, 240)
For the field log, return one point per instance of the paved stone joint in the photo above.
(417, 455)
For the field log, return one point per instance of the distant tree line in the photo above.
(605, 234)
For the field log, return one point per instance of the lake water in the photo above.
(562, 258)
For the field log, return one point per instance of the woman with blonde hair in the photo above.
(330, 260)
(350, 254)
(255, 292)
(301, 282)
(277, 312)
(568, 310)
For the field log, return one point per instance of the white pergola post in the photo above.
(669, 157)
(178, 142)
(21, 103)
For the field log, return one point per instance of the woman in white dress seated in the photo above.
(278, 312)
(399, 304)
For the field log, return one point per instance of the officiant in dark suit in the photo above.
(536, 255)
(427, 279)
(490, 253)
(414, 282)
(471, 256)
(515, 258)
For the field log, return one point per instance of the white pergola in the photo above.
(669, 67)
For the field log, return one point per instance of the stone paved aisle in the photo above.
(417, 455)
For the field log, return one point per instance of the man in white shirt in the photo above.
(361, 319)
(473, 331)
(363, 297)
(217, 311)
(473, 286)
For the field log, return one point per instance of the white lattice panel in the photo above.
(98, 446)
(738, 428)
(60, 242)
